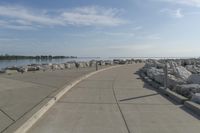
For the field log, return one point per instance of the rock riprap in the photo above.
(183, 75)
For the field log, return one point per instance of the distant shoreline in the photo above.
(50, 57)
(39, 57)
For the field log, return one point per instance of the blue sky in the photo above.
(105, 28)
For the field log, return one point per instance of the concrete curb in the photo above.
(162, 90)
(176, 97)
(193, 107)
(41, 111)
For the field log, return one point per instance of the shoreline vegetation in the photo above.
(38, 57)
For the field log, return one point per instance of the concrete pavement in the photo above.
(116, 101)
(21, 95)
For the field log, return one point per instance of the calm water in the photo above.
(7, 63)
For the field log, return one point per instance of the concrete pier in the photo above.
(21, 95)
(116, 101)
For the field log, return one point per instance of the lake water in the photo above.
(9, 63)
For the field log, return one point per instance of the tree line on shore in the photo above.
(38, 57)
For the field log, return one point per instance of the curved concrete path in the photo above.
(22, 95)
(116, 101)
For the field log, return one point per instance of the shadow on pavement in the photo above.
(190, 112)
(132, 98)
(147, 86)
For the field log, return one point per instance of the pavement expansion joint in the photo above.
(120, 110)
(167, 104)
(31, 108)
(7, 115)
(84, 102)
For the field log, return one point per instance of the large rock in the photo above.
(70, 65)
(12, 68)
(61, 66)
(158, 76)
(11, 71)
(182, 73)
(108, 62)
(179, 62)
(187, 62)
(23, 69)
(45, 67)
(129, 61)
(33, 68)
(55, 67)
(80, 64)
(173, 81)
(101, 62)
(172, 67)
(196, 98)
(155, 74)
(187, 89)
(193, 69)
(87, 64)
(194, 79)
(122, 62)
(92, 63)
(154, 63)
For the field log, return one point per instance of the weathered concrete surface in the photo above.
(116, 101)
(22, 94)
(17, 97)
(5, 120)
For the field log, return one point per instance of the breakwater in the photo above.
(183, 75)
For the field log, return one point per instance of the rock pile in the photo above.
(183, 75)
(187, 90)
(67, 65)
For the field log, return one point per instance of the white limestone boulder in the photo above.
(194, 79)
(155, 74)
(61, 66)
(187, 89)
(182, 73)
(193, 69)
(70, 65)
(173, 81)
(196, 98)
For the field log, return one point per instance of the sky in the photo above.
(100, 28)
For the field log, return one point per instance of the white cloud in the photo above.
(119, 34)
(193, 13)
(167, 49)
(10, 25)
(19, 27)
(149, 37)
(8, 39)
(154, 37)
(137, 28)
(132, 47)
(177, 13)
(195, 3)
(83, 16)
(23, 14)
(92, 16)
